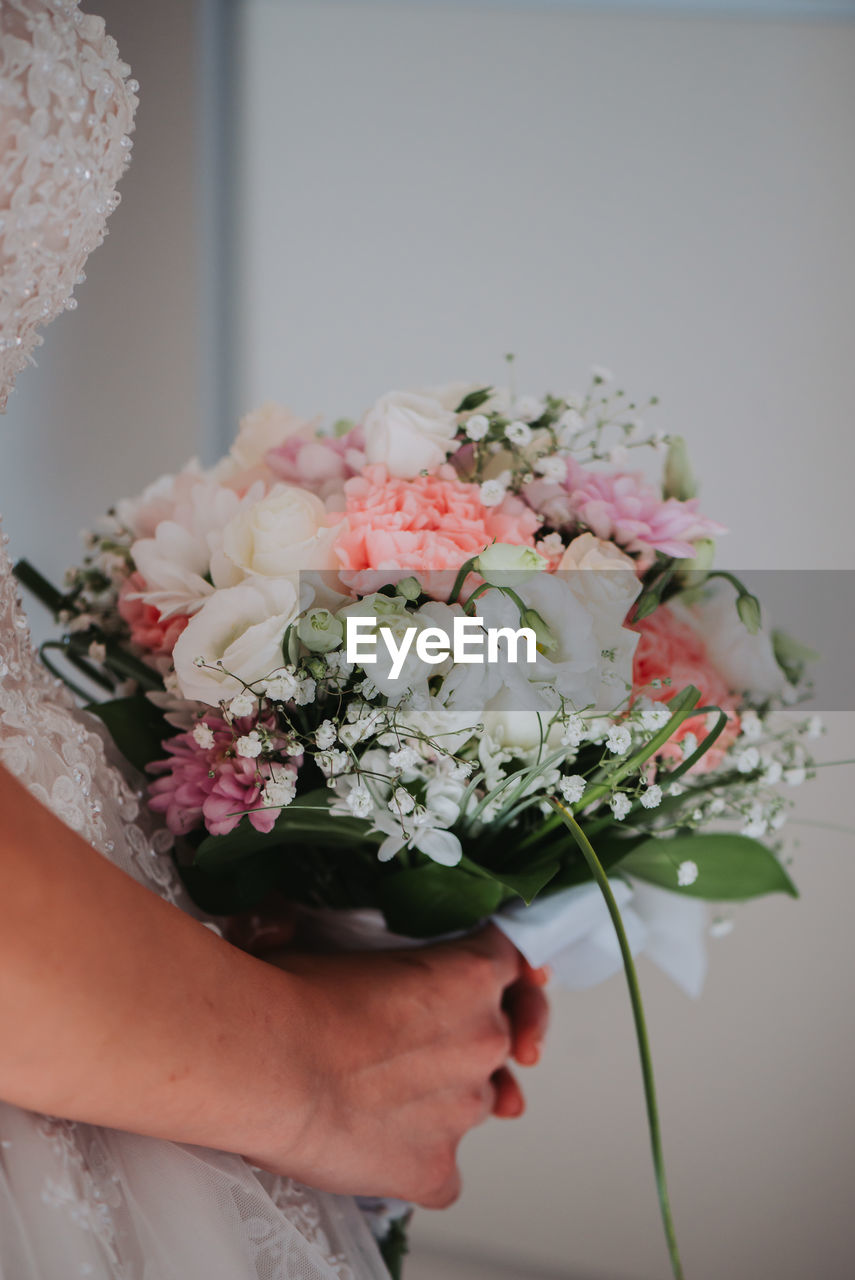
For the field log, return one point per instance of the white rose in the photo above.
(409, 433)
(241, 627)
(287, 531)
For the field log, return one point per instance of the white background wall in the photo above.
(424, 187)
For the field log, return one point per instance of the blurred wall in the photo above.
(424, 187)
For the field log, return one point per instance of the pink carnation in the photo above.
(149, 629)
(211, 784)
(625, 508)
(427, 527)
(670, 649)
(319, 463)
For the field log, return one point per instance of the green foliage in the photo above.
(136, 726)
(474, 400)
(731, 868)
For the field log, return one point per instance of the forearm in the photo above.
(116, 1008)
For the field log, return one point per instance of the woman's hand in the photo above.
(407, 1051)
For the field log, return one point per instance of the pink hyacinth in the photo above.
(211, 785)
(427, 527)
(319, 463)
(625, 508)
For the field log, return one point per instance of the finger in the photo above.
(491, 942)
(528, 1012)
(540, 977)
(509, 1102)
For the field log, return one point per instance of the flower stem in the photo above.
(596, 869)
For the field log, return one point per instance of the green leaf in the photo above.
(525, 883)
(308, 819)
(136, 726)
(45, 592)
(423, 902)
(474, 400)
(791, 655)
(731, 868)
(243, 886)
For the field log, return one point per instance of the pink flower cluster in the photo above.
(624, 508)
(428, 526)
(319, 463)
(212, 784)
(670, 655)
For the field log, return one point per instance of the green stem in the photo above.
(36, 583)
(596, 869)
(463, 572)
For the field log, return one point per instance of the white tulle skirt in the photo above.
(81, 1201)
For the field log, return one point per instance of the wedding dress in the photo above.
(77, 1200)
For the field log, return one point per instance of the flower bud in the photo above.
(679, 480)
(505, 565)
(409, 588)
(320, 631)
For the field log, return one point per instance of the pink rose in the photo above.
(149, 629)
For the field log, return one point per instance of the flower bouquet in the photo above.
(451, 662)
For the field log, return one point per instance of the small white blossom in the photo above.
(790, 694)
(653, 716)
(751, 724)
(748, 760)
(773, 772)
(756, 828)
(477, 426)
(332, 763)
(688, 744)
(198, 661)
(203, 735)
(721, 927)
(492, 493)
(359, 801)
(529, 408)
(518, 433)
(97, 652)
(552, 467)
(325, 734)
(618, 739)
(815, 727)
(676, 789)
(618, 455)
(404, 759)
(651, 797)
(249, 746)
(402, 802)
(572, 788)
(281, 788)
(687, 873)
(242, 705)
(574, 732)
(620, 805)
(83, 622)
(282, 688)
(306, 690)
(795, 777)
(600, 373)
(717, 805)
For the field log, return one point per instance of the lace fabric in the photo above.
(77, 1200)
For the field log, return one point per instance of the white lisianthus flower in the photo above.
(747, 662)
(506, 565)
(409, 432)
(238, 634)
(604, 580)
(285, 532)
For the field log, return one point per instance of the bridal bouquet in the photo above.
(456, 660)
